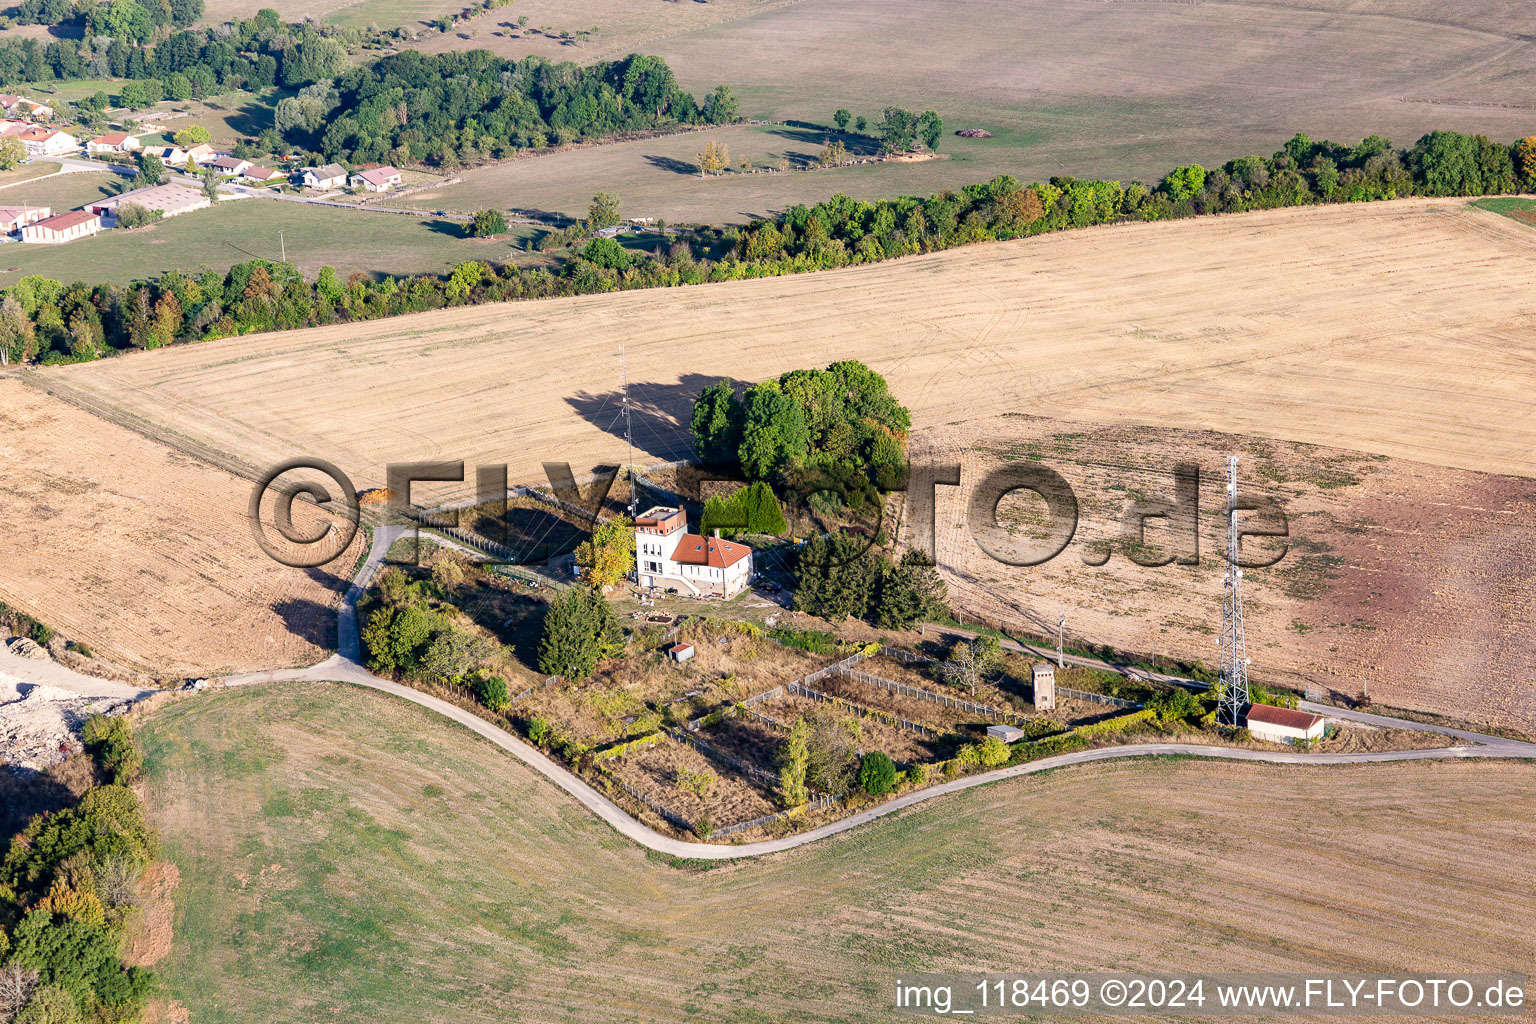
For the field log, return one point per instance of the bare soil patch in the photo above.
(1409, 577)
(144, 553)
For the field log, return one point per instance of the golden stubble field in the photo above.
(1412, 580)
(1399, 329)
(145, 554)
(348, 857)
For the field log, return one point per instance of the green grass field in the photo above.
(238, 230)
(347, 857)
(60, 191)
(1506, 205)
(25, 172)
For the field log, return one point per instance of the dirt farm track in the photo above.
(1396, 329)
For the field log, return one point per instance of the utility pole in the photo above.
(1061, 630)
(283, 244)
(1234, 649)
(629, 440)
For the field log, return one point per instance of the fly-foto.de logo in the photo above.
(1017, 514)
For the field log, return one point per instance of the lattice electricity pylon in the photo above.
(1234, 650)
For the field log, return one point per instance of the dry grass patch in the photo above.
(145, 554)
(352, 858)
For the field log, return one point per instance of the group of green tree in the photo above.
(839, 575)
(410, 630)
(127, 40)
(460, 107)
(45, 319)
(750, 509)
(843, 416)
(68, 884)
(899, 129)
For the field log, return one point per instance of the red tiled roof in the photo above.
(112, 138)
(64, 221)
(695, 550)
(379, 175)
(1283, 717)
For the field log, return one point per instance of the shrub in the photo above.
(1176, 704)
(487, 223)
(42, 633)
(539, 731)
(492, 692)
(917, 776)
(993, 752)
(877, 773)
(109, 741)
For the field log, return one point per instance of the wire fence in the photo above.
(667, 813)
(1097, 698)
(815, 803)
(546, 684)
(943, 700)
(729, 760)
(838, 702)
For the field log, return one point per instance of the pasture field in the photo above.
(347, 857)
(1351, 327)
(63, 192)
(1414, 578)
(26, 172)
(1117, 90)
(659, 177)
(243, 229)
(146, 554)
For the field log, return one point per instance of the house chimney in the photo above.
(717, 533)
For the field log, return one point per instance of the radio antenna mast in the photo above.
(1234, 649)
(629, 441)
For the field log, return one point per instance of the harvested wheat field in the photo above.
(1394, 328)
(144, 554)
(348, 857)
(1417, 578)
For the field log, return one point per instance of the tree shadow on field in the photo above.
(451, 228)
(673, 164)
(854, 143)
(659, 413)
(255, 116)
(309, 619)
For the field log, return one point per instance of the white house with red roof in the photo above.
(47, 142)
(112, 142)
(668, 557)
(1283, 725)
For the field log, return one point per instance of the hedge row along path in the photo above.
(346, 666)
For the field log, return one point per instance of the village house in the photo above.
(19, 106)
(1282, 725)
(379, 179)
(226, 164)
(261, 175)
(14, 218)
(112, 142)
(169, 200)
(47, 142)
(170, 156)
(61, 228)
(329, 176)
(199, 154)
(668, 557)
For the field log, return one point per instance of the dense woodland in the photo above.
(458, 107)
(50, 321)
